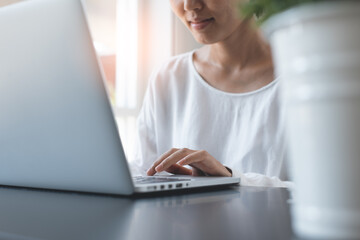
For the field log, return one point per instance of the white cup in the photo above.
(316, 50)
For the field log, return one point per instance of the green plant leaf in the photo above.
(264, 9)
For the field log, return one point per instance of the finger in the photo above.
(204, 162)
(151, 171)
(191, 158)
(177, 169)
(172, 159)
(197, 172)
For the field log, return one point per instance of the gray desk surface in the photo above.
(234, 213)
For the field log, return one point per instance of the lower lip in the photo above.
(201, 25)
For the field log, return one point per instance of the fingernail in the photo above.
(158, 168)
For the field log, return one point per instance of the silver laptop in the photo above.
(57, 129)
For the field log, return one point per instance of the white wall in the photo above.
(154, 38)
(144, 42)
(102, 22)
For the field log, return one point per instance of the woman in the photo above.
(215, 109)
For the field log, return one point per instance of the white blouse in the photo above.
(244, 131)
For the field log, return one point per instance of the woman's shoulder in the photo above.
(172, 71)
(176, 64)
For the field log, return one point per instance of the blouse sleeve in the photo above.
(145, 150)
(260, 180)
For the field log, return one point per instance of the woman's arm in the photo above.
(145, 150)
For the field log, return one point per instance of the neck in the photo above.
(245, 48)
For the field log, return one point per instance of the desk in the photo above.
(236, 213)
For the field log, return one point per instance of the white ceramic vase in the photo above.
(316, 49)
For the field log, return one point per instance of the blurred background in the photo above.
(132, 38)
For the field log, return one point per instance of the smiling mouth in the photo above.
(199, 25)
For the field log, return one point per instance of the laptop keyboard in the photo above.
(157, 179)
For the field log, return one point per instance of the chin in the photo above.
(204, 40)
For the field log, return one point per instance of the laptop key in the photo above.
(144, 180)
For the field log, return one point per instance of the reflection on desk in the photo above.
(236, 213)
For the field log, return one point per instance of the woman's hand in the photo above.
(202, 163)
